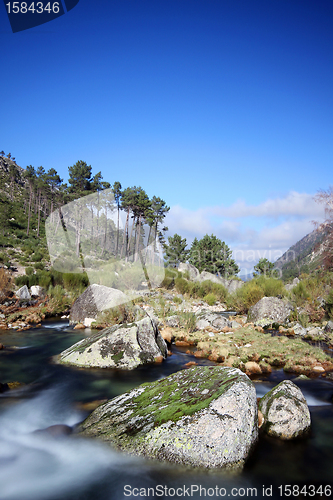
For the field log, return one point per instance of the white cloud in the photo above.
(251, 231)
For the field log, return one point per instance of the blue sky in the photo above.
(222, 108)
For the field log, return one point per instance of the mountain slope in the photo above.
(303, 257)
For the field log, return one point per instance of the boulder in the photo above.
(205, 276)
(208, 319)
(204, 416)
(329, 327)
(231, 285)
(286, 413)
(269, 310)
(172, 321)
(121, 346)
(291, 285)
(36, 291)
(23, 293)
(95, 299)
(299, 330)
(191, 270)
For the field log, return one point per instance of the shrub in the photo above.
(177, 300)
(29, 271)
(44, 279)
(181, 285)
(39, 266)
(329, 304)
(300, 293)
(210, 298)
(74, 281)
(37, 257)
(271, 287)
(22, 280)
(188, 320)
(194, 289)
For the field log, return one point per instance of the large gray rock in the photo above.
(206, 276)
(192, 270)
(290, 286)
(121, 346)
(269, 310)
(37, 291)
(231, 285)
(23, 293)
(329, 327)
(95, 299)
(205, 416)
(286, 413)
(208, 319)
(299, 330)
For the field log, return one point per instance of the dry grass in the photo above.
(5, 282)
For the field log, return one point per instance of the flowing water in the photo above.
(37, 466)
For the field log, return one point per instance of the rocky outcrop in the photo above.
(205, 276)
(269, 310)
(291, 285)
(192, 271)
(205, 416)
(231, 285)
(23, 293)
(95, 299)
(285, 411)
(121, 346)
(37, 291)
(217, 321)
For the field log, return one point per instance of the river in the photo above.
(38, 466)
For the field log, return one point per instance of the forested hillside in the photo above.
(28, 196)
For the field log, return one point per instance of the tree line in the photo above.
(43, 193)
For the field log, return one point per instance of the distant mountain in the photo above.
(303, 257)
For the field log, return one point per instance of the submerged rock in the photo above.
(121, 346)
(285, 411)
(205, 416)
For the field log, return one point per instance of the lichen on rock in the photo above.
(125, 347)
(285, 411)
(205, 416)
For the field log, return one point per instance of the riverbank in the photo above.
(56, 394)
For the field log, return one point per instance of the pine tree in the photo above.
(116, 189)
(30, 175)
(175, 250)
(80, 178)
(213, 255)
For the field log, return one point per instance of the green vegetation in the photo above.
(247, 344)
(210, 298)
(212, 255)
(252, 291)
(175, 250)
(265, 268)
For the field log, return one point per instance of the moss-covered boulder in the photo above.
(205, 416)
(286, 413)
(124, 346)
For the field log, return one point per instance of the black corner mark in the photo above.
(28, 14)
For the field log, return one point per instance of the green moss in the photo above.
(168, 400)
